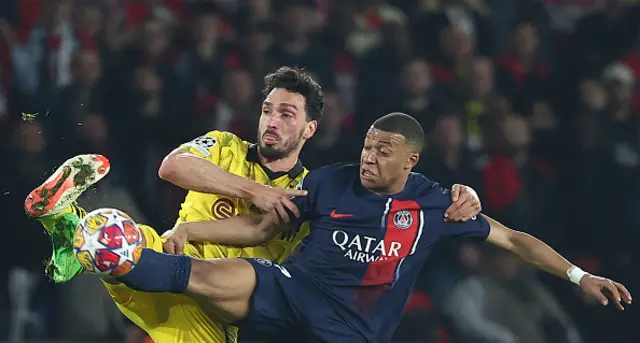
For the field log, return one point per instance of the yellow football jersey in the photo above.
(241, 158)
(177, 317)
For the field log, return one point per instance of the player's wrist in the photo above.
(575, 274)
(183, 229)
(251, 190)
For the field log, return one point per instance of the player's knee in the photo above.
(221, 279)
(205, 279)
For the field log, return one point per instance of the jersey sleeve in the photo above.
(477, 227)
(307, 204)
(208, 146)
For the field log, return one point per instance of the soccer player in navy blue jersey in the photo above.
(373, 226)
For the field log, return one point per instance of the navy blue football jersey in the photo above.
(365, 250)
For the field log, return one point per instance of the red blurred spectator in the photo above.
(169, 11)
(42, 64)
(458, 53)
(236, 108)
(521, 73)
(517, 184)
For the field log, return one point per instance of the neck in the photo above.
(395, 188)
(281, 165)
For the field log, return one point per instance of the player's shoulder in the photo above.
(232, 145)
(223, 138)
(427, 192)
(213, 140)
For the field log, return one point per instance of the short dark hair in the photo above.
(404, 125)
(297, 81)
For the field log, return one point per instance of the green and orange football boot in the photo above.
(54, 204)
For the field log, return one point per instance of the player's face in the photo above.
(283, 127)
(385, 162)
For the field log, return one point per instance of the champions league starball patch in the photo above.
(205, 142)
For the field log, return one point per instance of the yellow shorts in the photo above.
(168, 317)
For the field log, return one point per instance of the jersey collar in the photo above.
(254, 156)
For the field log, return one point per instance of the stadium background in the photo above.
(532, 103)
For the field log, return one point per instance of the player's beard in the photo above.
(273, 152)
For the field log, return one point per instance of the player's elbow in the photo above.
(169, 168)
(525, 246)
(166, 171)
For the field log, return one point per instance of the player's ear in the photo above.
(310, 130)
(412, 161)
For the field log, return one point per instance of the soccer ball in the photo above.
(107, 242)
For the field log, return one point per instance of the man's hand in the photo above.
(175, 240)
(466, 204)
(273, 199)
(604, 289)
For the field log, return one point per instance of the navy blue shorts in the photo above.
(286, 304)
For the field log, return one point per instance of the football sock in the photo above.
(158, 272)
(49, 222)
(63, 265)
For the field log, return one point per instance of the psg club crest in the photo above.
(403, 219)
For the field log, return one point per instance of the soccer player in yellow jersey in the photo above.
(225, 177)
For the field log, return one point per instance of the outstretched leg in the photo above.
(106, 242)
(225, 284)
(53, 204)
(163, 317)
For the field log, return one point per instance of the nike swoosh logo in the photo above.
(340, 215)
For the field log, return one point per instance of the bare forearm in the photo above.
(247, 230)
(539, 254)
(529, 248)
(194, 173)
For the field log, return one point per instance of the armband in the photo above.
(575, 274)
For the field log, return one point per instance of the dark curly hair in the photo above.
(296, 80)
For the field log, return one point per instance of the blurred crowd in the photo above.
(532, 103)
